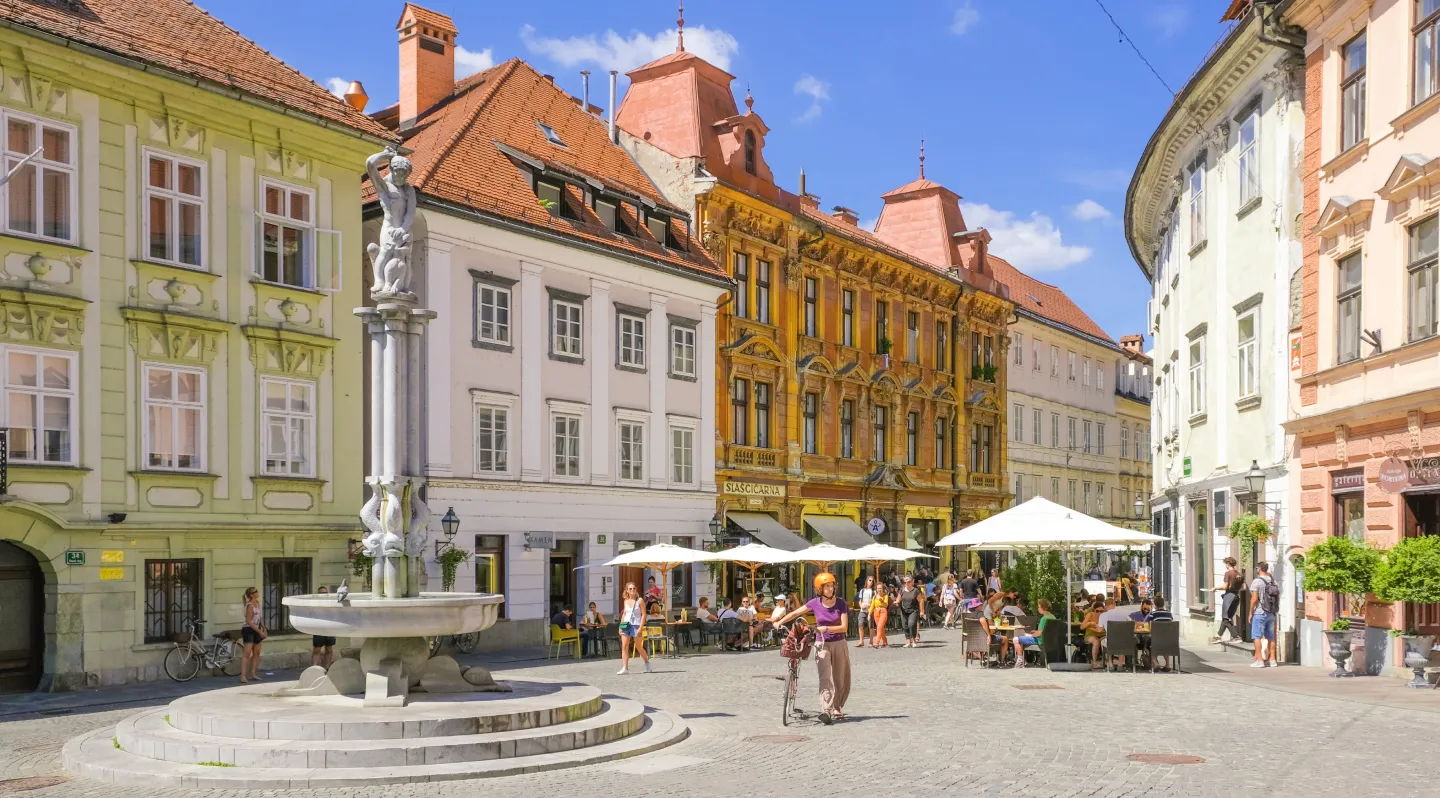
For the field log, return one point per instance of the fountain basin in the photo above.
(368, 616)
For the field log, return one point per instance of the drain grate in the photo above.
(30, 783)
(1037, 687)
(1166, 759)
(777, 739)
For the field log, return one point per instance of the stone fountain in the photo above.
(395, 714)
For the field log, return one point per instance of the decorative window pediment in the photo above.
(41, 318)
(287, 352)
(1342, 211)
(1411, 173)
(172, 336)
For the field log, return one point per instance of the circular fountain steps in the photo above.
(572, 729)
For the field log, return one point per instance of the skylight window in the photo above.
(550, 134)
(1034, 299)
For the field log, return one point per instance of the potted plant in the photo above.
(1249, 530)
(882, 348)
(987, 373)
(977, 371)
(450, 560)
(1410, 571)
(1335, 565)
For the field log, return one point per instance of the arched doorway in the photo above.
(22, 620)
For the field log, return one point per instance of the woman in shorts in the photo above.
(632, 628)
(251, 636)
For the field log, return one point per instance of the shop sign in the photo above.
(539, 540)
(600, 539)
(876, 526)
(1394, 475)
(755, 490)
(1424, 472)
(74, 557)
(1349, 479)
(1295, 352)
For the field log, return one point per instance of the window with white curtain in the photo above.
(492, 314)
(632, 341)
(492, 439)
(1197, 203)
(632, 451)
(287, 418)
(1353, 57)
(174, 209)
(174, 405)
(1249, 157)
(1427, 22)
(1422, 279)
(682, 456)
(1347, 314)
(1248, 354)
(1197, 376)
(40, 195)
(39, 392)
(682, 351)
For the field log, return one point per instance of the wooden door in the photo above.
(22, 621)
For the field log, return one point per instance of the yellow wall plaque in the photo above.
(112, 556)
(112, 574)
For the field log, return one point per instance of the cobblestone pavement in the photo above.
(921, 721)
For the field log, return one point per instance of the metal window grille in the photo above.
(172, 594)
(284, 576)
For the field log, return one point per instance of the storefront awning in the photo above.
(768, 530)
(839, 530)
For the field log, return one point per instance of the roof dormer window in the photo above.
(613, 215)
(552, 198)
(660, 229)
(750, 152)
(550, 134)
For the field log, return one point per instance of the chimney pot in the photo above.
(356, 97)
(427, 61)
(843, 214)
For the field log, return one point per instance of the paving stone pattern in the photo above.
(922, 722)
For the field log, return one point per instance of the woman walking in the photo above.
(632, 628)
(1233, 583)
(949, 599)
(880, 616)
(251, 636)
(994, 581)
(832, 656)
(864, 598)
(912, 603)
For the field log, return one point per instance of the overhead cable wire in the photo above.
(1125, 37)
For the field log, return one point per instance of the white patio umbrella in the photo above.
(662, 557)
(875, 553)
(821, 554)
(1042, 525)
(751, 556)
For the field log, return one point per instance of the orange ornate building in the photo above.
(847, 362)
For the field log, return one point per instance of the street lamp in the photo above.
(716, 525)
(450, 524)
(1255, 478)
(1139, 506)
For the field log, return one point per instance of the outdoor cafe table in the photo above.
(1008, 632)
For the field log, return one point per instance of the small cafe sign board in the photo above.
(1397, 475)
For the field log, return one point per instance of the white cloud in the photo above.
(1169, 19)
(610, 50)
(1089, 210)
(966, 17)
(819, 92)
(1033, 244)
(468, 63)
(337, 86)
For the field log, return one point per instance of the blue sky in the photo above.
(1032, 110)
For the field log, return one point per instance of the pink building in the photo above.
(1366, 356)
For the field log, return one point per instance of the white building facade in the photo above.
(1212, 218)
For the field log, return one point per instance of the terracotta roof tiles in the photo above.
(1044, 300)
(425, 16)
(179, 36)
(458, 158)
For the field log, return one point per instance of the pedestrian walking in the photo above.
(632, 629)
(1230, 601)
(950, 599)
(1264, 609)
(994, 581)
(251, 636)
(863, 600)
(832, 656)
(912, 603)
(880, 616)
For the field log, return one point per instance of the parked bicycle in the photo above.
(184, 661)
(465, 643)
(799, 640)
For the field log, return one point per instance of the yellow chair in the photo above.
(560, 638)
(653, 638)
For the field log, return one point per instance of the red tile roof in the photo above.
(179, 36)
(1043, 299)
(457, 158)
(425, 16)
(914, 185)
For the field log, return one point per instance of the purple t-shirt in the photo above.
(829, 616)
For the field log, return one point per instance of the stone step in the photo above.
(149, 735)
(95, 756)
(255, 712)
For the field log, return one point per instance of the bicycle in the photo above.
(183, 662)
(464, 643)
(796, 648)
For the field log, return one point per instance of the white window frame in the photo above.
(1054, 361)
(309, 230)
(630, 343)
(1124, 442)
(580, 414)
(41, 164)
(636, 423)
(1249, 158)
(1035, 354)
(1197, 376)
(691, 428)
(1421, 274)
(500, 329)
(287, 415)
(1196, 193)
(1019, 349)
(1070, 373)
(1019, 423)
(1088, 427)
(561, 342)
(504, 405)
(39, 392)
(1037, 435)
(682, 350)
(1247, 354)
(1086, 372)
(146, 403)
(175, 197)
(1100, 438)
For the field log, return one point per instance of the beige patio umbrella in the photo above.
(751, 556)
(662, 557)
(876, 553)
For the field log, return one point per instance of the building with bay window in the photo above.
(1367, 394)
(1213, 220)
(569, 407)
(179, 256)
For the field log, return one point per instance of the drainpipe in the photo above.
(614, 136)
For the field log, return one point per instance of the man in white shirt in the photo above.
(703, 613)
(1112, 613)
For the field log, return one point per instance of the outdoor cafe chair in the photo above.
(1120, 642)
(611, 631)
(975, 642)
(1165, 642)
(730, 627)
(559, 638)
(1052, 642)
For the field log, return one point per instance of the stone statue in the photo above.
(390, 257)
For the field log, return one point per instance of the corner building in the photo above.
(843, 362)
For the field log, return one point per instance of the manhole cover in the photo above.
(778, 739)
(1166, 759)
(31, 783)
(894, 684)
(1037, 687)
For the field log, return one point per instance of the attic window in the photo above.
(750, 151)
(1035, 299)
(612, 215)
(550, 134)
(552, 198)
(660, 229)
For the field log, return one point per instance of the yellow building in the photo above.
(850, 413)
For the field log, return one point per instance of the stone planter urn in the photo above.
(1417, 656)
(1339, 640)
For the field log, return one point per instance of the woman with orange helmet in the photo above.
(832, 656)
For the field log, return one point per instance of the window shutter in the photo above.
(329, 260)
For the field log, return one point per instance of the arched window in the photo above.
(750, 151)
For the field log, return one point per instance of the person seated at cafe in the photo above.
(1142, 615)
(1011, 607)
(592, 626)
(703, 613)
(747, 615)
(1021, 641)
(1161, 615)
(1094, 634)
(1113, 614)
(727, 612)
(1126, 588)
(565, 619)
(1094, 575)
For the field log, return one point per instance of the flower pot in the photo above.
(1339, 640)
(1417, 656)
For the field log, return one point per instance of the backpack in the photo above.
(1270, 597)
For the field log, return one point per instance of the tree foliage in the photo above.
(1410, 571)
(1340, 565)
(1038, 575)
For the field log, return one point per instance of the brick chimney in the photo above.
(427, 60)
(1133, 343)
(846, 216)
